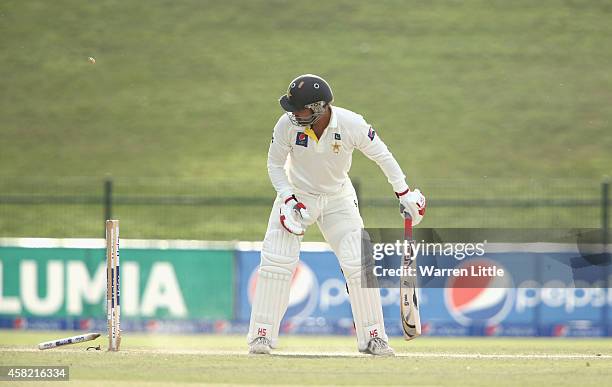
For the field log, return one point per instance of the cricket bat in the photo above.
(409, 303)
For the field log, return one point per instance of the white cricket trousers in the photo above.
(337, 216)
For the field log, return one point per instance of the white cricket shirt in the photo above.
(296, 160)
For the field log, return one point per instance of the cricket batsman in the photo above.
(308, 164)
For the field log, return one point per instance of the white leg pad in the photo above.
(365, 302)
(279, 257)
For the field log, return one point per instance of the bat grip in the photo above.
(408, 227)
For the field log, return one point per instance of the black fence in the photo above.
(186, 209)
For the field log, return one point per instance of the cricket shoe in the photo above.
(260, 346)
(378, 347)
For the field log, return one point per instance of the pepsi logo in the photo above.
(152, 325)
(303, 295)
(288, 327)
(85, 324)
(425, 328)
(560, 330)
(221, 326)
(492, 330)
(20, 323)
(484, 300)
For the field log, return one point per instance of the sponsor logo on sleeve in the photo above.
(371, 133)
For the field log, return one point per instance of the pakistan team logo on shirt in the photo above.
(336, 145)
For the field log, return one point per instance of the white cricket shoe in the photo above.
(260, 346)
(379, 347)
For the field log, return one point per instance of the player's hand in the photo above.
(293, 216)
(412, 203)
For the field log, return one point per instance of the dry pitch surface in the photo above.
(203, 359)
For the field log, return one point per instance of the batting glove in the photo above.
(412, 203)
(293, 216)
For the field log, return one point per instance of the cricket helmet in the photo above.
(307, 91)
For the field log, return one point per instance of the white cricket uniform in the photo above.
(322, 167)
(316, 171)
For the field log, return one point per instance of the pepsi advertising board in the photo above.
(537, 296)
(546, 289)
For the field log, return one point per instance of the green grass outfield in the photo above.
(302, 360)
(183, 97)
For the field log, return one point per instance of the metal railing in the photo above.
(215, 204)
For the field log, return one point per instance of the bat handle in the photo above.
(407, 226)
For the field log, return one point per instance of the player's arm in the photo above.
(277, 157)
(370, 144)
(293, 213)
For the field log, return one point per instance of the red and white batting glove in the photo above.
(412, 203)
(293, 216)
